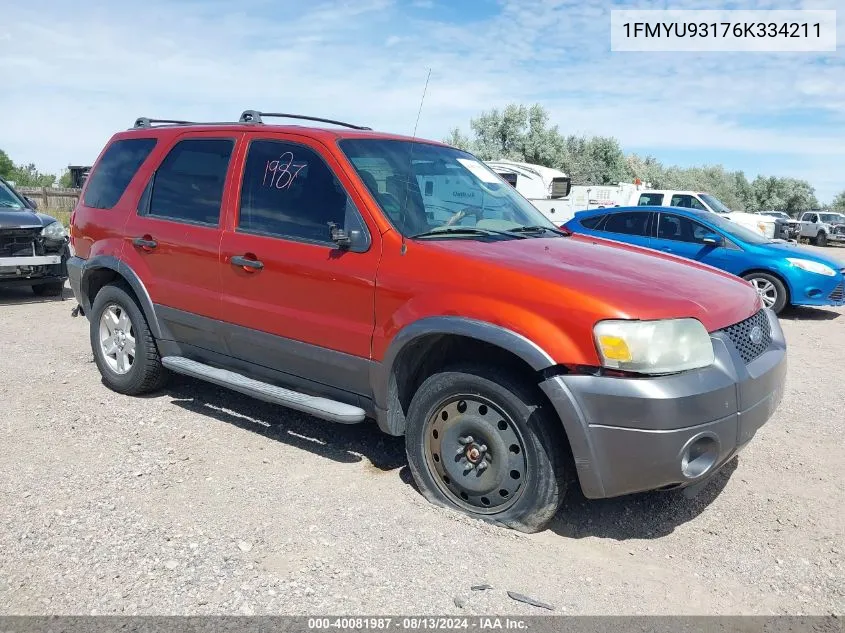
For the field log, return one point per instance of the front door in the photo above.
(682, 236)
(296, 302)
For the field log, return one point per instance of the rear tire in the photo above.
(483, 442)
(821, 239)
(124, 348)
(50, 289)
(772, 290)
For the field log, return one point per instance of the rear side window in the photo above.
(188, 185)
(290, 192)
(634, 223)
(115, 170)
(651, 200)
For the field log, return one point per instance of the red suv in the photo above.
(358, 275)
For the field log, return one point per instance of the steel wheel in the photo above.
(766, 289)
(117, 339)
(476, 454)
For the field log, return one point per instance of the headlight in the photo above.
(54, 231)
(811, 267)
(654, 347)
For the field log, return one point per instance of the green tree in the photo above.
(29, 176)
(838, 203)
(6, 165)
(65, 180)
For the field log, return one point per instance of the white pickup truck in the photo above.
(768, 226)
(820, 227)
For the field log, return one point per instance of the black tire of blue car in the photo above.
(146, 372)
(821, 239)
(781, 294)
(49, 289)
(482, 441)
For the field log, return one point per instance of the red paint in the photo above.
(551, 290)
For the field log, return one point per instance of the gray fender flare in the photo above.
(381, 373)
(110, 262)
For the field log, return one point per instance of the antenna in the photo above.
(404, 247)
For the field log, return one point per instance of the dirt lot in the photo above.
(197, 500)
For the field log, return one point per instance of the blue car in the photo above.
(783, 273)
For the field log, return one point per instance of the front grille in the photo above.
(19, 243)
(740, 335)
(838, 292)
(840, 230)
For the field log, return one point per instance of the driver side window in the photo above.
(680, 229)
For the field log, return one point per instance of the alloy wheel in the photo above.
(117, 339)
(766, 289)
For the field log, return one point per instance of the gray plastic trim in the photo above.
(320, 407)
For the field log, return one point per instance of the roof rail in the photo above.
(254, 116)
(142, 122)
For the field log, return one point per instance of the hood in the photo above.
(792, 249)
(23, 218)
(625, 281)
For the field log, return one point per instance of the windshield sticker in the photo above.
(480, 172)
(279, 172)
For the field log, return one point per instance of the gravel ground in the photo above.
(200, 501)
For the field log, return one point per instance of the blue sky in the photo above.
(72, 74)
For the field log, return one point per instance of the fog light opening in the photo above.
(699, 457)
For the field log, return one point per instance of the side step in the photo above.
(316, 406)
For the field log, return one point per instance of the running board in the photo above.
(319, 407)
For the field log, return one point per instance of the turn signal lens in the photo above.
(614, 348)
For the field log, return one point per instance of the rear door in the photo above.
(631, 227)
(300, 305)
(173, 237)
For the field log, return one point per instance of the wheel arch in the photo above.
(105, 269)
(773, 273)
(439, 342)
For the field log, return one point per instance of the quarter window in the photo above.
(289, 191)
(115, 171)
(188, 185)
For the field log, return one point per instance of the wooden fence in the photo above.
(51, 199)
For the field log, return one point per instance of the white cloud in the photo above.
(71, 79)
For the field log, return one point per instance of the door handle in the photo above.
(248, 263)
(146, 242)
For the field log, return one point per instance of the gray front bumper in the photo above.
(630, 434)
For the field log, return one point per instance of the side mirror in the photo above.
(711, 239)
(339, 236)
(32, 203)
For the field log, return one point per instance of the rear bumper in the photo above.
(631, 435)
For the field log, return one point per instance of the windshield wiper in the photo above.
(539, 229)
(466, 230)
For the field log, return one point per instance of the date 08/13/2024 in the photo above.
(722, 29)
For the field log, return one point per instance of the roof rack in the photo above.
(147, 122)
(254, 116)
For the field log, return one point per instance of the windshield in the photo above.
(440, 191)
(733, 229)
(831, 218)
(714, 203)
(8, 199)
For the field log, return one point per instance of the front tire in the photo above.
(821, 239)
(482, 442)
(772, 291)
(124, 348)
